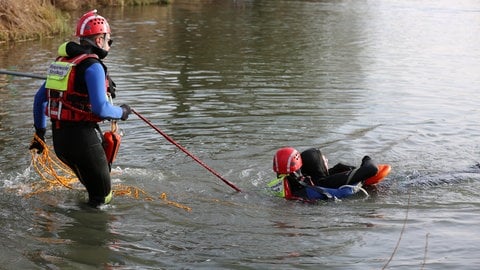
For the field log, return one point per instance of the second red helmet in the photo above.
(287, 160)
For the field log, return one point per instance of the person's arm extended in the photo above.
(95, 78)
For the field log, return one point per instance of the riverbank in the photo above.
(37, 19)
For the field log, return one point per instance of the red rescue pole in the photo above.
(186, 152)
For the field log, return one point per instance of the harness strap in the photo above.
(350, 176)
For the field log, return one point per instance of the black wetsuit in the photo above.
(79, 145)
(314, 172)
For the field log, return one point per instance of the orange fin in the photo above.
(383, 171)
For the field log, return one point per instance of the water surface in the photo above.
(233, 81)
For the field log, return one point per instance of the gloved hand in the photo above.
(36, 144)
(126, 111)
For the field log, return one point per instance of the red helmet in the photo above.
(287, 160)
(92, 24)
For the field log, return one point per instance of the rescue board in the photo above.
(383, 171)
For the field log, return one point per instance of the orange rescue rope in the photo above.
(56, 174)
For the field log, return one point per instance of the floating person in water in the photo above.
(306, 176)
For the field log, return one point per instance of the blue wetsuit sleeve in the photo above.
(39, 105)
(95, 78)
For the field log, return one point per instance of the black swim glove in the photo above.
(126, 111)
(36, 143)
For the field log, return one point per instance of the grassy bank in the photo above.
(36, 19)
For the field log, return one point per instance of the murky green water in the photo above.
(232, 81)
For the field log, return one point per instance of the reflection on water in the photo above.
(232, 81)
(77, 237)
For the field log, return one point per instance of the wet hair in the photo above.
(313, 164)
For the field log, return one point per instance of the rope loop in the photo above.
(56, 174)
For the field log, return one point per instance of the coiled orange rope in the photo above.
(56, 174)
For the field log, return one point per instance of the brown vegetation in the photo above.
(28, 19)
(34, 19)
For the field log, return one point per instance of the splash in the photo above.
(57, 175)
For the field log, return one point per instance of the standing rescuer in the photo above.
(76, 96)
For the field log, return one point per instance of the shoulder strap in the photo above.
(82, 57)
